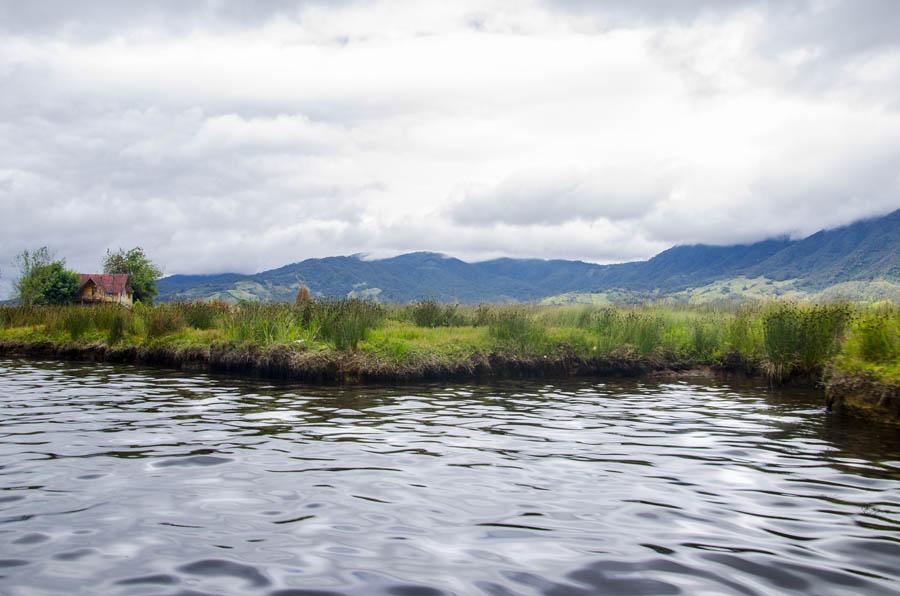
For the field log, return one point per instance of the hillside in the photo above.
(849, 257)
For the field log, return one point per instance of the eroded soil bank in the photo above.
(861, 394)
(281, 362)
(844, 392)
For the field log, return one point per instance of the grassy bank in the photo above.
(864, 377)
(360, 339)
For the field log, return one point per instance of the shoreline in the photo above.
(355, 368)
(843, 392)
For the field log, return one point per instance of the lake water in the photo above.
(119, 480)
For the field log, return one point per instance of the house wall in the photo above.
(85, 296)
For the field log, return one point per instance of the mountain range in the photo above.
(858, 259)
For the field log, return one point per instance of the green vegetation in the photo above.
(142, 270)
(872, 346)
(779, 339)
(43, 279)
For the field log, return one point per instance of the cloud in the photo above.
(233, 136)
(556, 197)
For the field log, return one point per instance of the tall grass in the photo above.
(431, 313)
(202, 315)
(874, 336)
(515, 327)
(345, 323)
(801, 338)
(782, 338)
(263, 324)
(162, 320)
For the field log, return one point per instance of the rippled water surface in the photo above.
(119, 480)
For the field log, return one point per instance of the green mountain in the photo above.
(852, 258)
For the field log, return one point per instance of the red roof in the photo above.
(109, 283)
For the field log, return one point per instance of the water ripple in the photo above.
(119, 480)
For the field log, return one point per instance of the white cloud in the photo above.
(221, 137)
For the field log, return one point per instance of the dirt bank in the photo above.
(859, 393)
(357, 367)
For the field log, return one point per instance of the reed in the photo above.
(263, 324)
(431, 313)
(801, 338)
(345, 323)
(117, 330)
(781, 338)
(162, 320)
(514, 327)
(874, 336)
(202, 315)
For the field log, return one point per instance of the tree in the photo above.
(62, 284)
(43, 279)
(142, 270)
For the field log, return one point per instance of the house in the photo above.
(110, 288)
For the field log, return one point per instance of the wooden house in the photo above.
(108, 288)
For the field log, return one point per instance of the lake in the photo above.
(120, 480)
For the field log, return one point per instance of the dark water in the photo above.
(128, 481)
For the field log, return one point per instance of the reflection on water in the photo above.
(116, 480)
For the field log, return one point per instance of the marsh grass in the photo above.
(263, 324)
(76, 323)
(345, 323)
(800, 338)
(162, 320)
(202, 315)
(117, 329)
(431, 313)
(782, 338)
(516, 327)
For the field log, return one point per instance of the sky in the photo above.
(235, 136)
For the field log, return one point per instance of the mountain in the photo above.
(857, 254)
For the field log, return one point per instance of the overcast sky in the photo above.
(239, 136)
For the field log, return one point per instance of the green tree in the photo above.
(61, 284)
(142, 270)
(43, 279)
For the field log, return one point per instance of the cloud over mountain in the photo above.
(234, 136)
